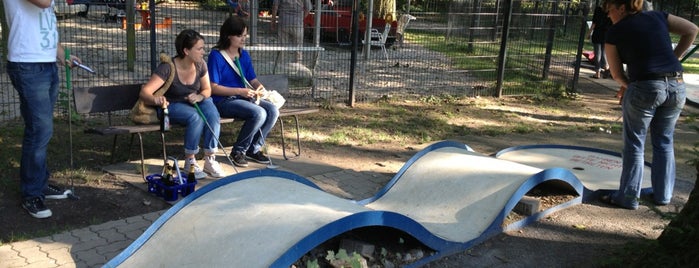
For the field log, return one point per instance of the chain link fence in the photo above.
(432, 48)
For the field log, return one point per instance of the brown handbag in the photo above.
(146, 114)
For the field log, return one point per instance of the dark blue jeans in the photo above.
(184, 113)
(37, 85)
(259, 120)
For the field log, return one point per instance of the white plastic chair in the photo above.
(378, 39)
(402, 25)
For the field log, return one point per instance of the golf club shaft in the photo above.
(214, 135)
(271, 165)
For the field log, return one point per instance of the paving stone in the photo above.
(85, 235)
(90, 257)
(46, 263)
(134, 225)
(8, 253)
(33, 254)
(112, 235)
(66, 238)
(21, 245)
(61, 256)
(108, 225)
(90, 244)
(113, 249)
(13, 263)
(54, 245)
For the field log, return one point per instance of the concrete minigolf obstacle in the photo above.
(447, 196)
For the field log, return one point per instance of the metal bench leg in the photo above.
(131, 144)
(281, 125)
(298, 138)
(113, 149)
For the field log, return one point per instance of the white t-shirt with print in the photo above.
(33, 35)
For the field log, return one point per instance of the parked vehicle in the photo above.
(67, 7)
(336, 24)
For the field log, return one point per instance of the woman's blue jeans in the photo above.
(184, 113)
(37, 85)
(259, 121)
(653, 107)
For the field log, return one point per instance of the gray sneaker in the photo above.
(54, 192)
(35, 206)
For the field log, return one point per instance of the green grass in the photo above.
(691, 65)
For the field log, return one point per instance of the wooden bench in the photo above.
(121, 98)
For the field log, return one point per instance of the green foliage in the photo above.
(342, 259)
(213, 5)
(691, 65)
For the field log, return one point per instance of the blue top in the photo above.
(220, 72)
(643, 42)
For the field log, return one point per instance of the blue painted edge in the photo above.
(148, 233)
(358, 220)
(588, 194)
(409, 163)
(441, 247)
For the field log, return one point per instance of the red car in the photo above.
(336, 24)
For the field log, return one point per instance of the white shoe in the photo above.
(212, 167)
(198, 172)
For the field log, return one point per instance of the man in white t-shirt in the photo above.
(33, 51)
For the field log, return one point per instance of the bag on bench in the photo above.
(146, 114)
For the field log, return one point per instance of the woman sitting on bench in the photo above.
(235, 88)
(190, 85)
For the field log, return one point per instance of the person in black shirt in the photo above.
(652, 93)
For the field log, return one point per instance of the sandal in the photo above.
(596, 76)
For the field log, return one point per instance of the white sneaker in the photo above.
(198, 172)
(212, 167)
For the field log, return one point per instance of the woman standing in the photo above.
(598, 29)
(190, 86)
(652, 93)
(235, 88)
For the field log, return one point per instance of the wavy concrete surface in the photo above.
(599, 170)
(446, 196)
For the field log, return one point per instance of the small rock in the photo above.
(146, 202)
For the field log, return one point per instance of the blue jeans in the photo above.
(184, 113)
(649, 106)
(37, 85)
(259, 121)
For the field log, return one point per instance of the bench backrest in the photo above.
(278, 82)
(103, 99)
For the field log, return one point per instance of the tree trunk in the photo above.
(678, 245)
